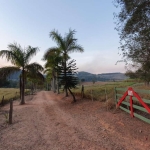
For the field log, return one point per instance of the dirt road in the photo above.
(52, 122)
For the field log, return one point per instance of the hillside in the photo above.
(14, 76)
(86, 76)
(101, 77)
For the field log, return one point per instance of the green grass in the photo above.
(9, 93)
(105, 92)
(101, 91)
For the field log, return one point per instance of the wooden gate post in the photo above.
(115, 91)
(131, 106)
(11, 111)
(92, 95)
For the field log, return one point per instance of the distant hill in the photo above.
(101, 77)
(86, 76)
(14, 76)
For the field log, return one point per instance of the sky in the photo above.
(29, 22)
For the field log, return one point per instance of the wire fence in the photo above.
(8, 94)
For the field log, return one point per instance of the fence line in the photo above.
(140, 105)
(16, 96)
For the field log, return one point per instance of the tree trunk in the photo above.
(35, 87)
(74, 99)
(82, 91)
(11, 111)
(20, 85)
(51, 84)
(47, 86)
(32, 88)
(66, 92)
(22, 89)
(57, 85)
(65, 74)
(54, 85)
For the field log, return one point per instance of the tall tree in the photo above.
(66, 45)
(20, 58)
(133, 25)
(71, 80)
(53, 60)
(34, 75)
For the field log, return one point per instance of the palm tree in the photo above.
(34, 75)
(20, 58)
(53, 58)
(66, 45)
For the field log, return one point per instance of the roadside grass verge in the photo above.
(10, 93)
(105, 92)
(101, 92)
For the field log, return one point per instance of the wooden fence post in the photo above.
(16, 96)
(82, 91)
(2, 102)
(92, 95)
(11, 111)
(106, 94)
(115, 90)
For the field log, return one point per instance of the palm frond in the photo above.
(18, 54)
(14, 54)
(51, 52)
(34, 67)
(69, 35)
(40, 76)
(69, 38)
(6, 53)
(6, 71)
(75, 48)
(15, 48)
(49, 73)
(48, 70)
(33, 71)
(35, 77)
(48, 64)
(57, 38)
(30, 51)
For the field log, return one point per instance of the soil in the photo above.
(51, 122)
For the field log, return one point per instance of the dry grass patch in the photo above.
(9, 93)
(102, 91)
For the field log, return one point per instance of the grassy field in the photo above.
(104, 91)
(9, 93)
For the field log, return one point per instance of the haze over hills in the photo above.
(86, 76)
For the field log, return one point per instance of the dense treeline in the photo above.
(133, 26)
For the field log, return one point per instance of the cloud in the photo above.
(99, 62)
(94, 62)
